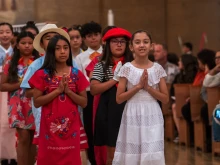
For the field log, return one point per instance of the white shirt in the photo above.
(83, 60)
(212, 80)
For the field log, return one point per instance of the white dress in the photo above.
(141, 135)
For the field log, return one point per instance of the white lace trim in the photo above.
(139, 159)
(131, 148)
(155, 73)
(145, 121)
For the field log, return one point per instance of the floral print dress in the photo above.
(19, 107)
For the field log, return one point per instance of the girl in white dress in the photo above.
(141, 135)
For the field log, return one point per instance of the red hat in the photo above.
(116, 32)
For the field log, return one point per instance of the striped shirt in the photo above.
(98, 73)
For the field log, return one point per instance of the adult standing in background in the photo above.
(160, 56)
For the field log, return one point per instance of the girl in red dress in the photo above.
(59, 89)
(20, 111)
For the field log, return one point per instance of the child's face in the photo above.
(75, 39)
(25, 46)
(141, 45)
(62, 51)
(117, 46)
(93, 40)
(5, 35)
(46, 38)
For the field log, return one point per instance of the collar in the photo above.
(90, 51)
(10, 49)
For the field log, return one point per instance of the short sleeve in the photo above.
(82, 82)
(91, 66)
(98, 73)
(160, 72)
(37, 81)
(30, 72)
(124, 71)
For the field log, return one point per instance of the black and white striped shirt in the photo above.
(98, 73)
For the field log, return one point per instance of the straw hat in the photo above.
(47, 29)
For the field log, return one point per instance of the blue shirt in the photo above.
(3, 53)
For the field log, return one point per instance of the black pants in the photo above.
(87, 117)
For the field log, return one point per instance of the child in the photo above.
(91, 33)
(100, 151)
(59, 88)
(103, 81)
(40, 44)
(6, 35)
(30, 27)
(20, 112)
(141, 135)
(75, 39)
(6, 50)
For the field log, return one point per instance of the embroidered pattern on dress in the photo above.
(60, 126)
(61, 148)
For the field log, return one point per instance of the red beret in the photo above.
(116, 32)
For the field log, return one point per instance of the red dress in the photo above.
(59, 141)
(100, 151)
(20, 112)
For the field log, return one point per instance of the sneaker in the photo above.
(176, 140)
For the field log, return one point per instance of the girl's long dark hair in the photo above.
(107, 55)
(50, 59)
(13, 68)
